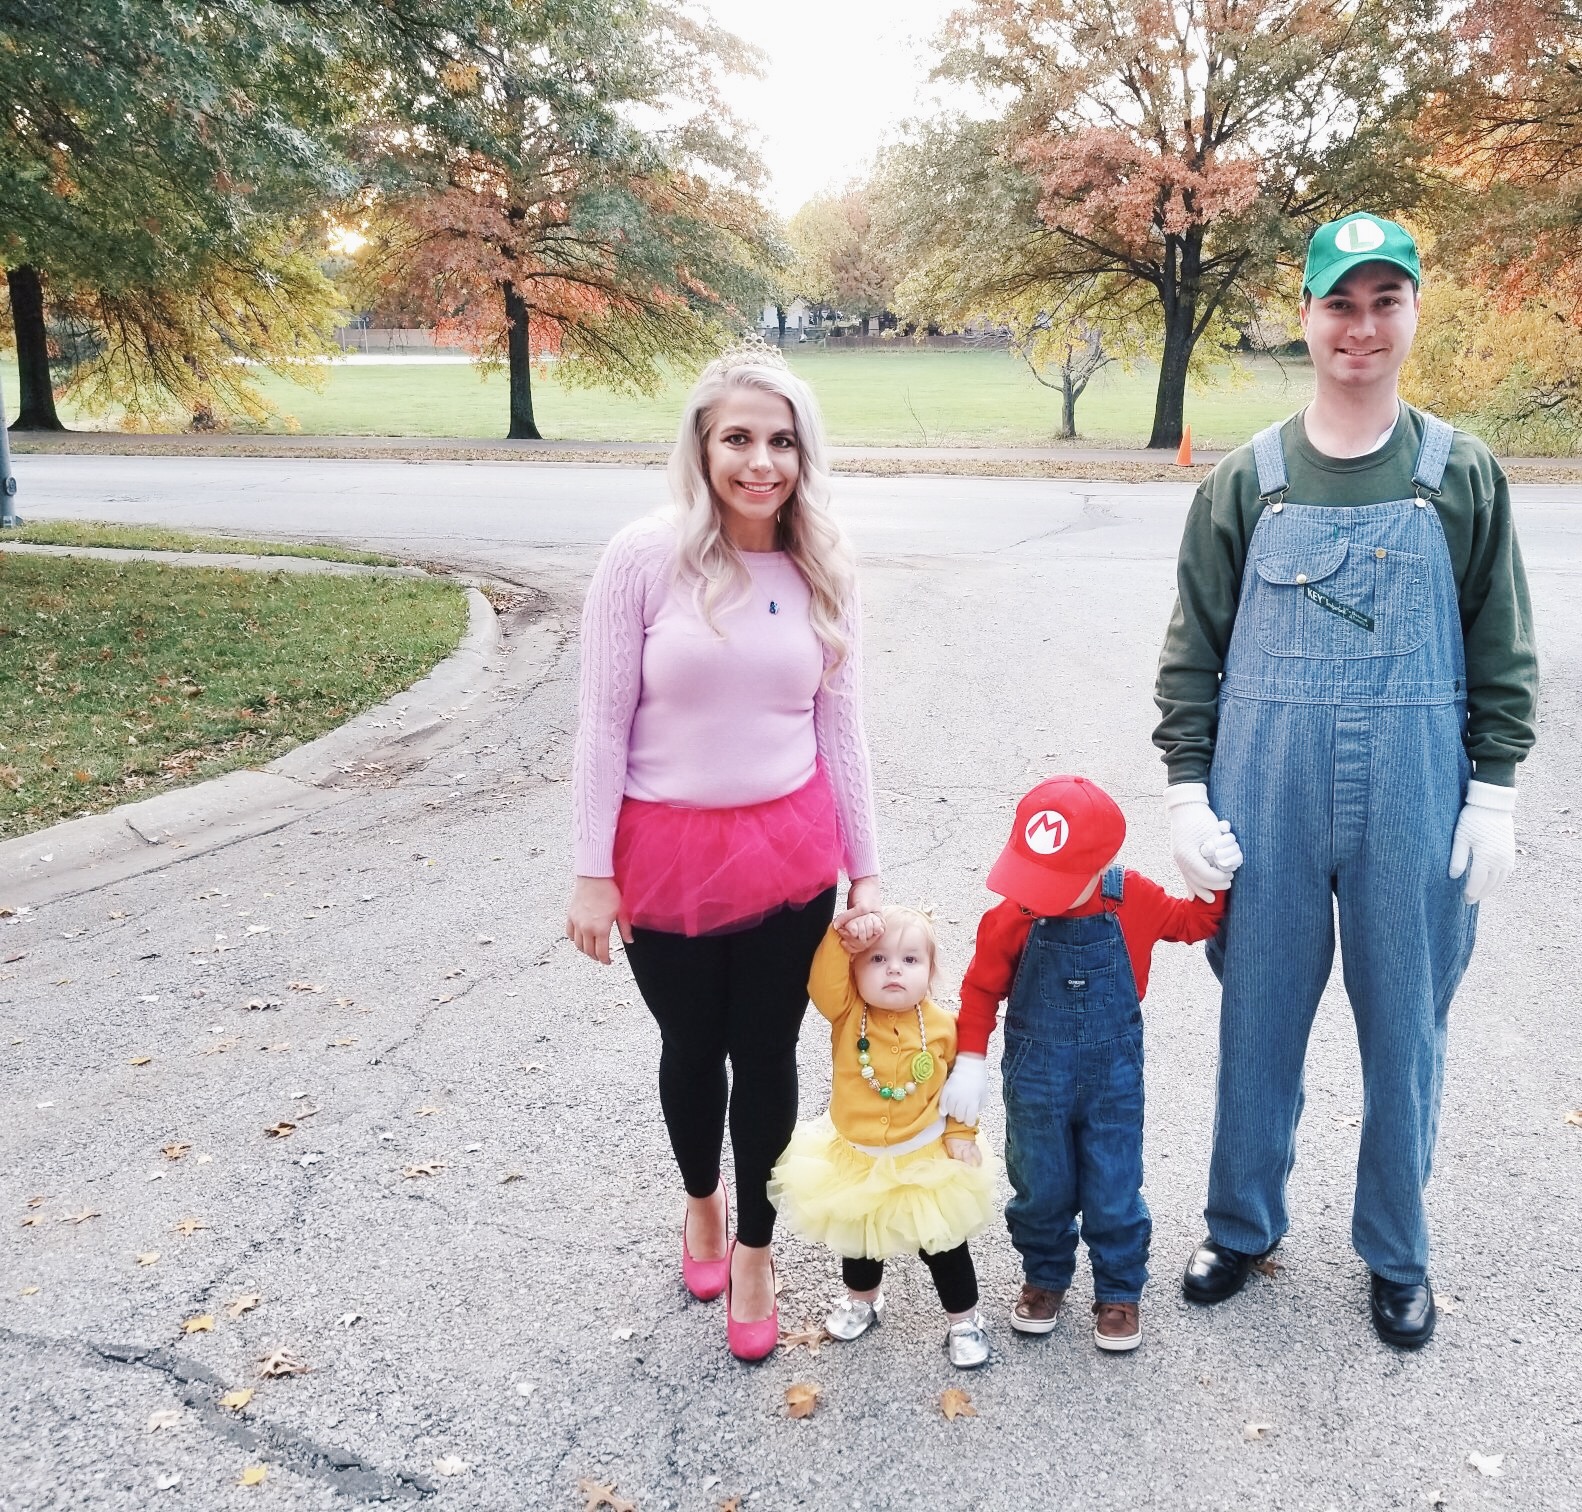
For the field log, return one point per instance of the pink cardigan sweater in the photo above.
(672, 712)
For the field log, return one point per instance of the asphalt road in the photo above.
(519, 1309)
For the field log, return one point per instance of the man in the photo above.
(1349, 679)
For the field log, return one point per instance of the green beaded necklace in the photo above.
(922, 1064)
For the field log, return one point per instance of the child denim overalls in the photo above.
(1073, 1073)
(1340, 762)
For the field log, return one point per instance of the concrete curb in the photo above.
(81, 855)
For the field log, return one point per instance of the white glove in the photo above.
(1197, 838)
(1484, 846)
(1224, 850)
(964, 1090)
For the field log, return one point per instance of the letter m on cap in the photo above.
(1046, 832)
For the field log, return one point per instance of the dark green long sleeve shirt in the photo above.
(1475, 511)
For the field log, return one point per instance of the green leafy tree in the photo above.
(1184, 151)
(838, 258)
(595, 209)
(166, 167)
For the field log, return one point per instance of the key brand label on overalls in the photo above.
(1046, 832)
(1345, 611)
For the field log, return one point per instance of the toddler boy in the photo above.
(1070, 948)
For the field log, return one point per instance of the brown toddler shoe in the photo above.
(1116, 1326)
(1037, 1310)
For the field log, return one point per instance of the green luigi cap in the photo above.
(1341, 245)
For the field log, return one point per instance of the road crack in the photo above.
(201, 1389)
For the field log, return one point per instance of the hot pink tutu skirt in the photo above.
(697, 871)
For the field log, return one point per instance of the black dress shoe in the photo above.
(1216, 1271)
(1403, 1311)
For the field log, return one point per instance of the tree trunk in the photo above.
(1181, 290)
(36, 399)
(521, 369)
(1170, 398)
(1068, 407)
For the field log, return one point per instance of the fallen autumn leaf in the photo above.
(808, 1337)
(801, 1399)
(1486, 1464)
(243, 1305)
(202, 1323)
(234, 1401)
(955, 1403)
(596, 1496)
(281, 1362)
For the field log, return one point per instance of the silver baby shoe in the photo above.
(850, 1319)
(968, 1343)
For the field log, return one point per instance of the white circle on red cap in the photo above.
(1046, 832)
(1359, 236)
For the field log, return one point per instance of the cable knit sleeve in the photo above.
(614, 620)
(843, 748)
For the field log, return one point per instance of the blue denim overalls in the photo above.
(1073, 1071)
(1340, 763)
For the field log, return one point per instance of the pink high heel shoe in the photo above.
(706, 1279)
(755, 1340)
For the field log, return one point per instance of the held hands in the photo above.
(959, 1147)
(859, 923)
(964, 1091)
(1205, 850)
(1484, 846)
(595, 907)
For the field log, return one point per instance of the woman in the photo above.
(720, 782)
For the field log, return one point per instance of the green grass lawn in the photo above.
(119, 681)
(901, 397)
(161, 538)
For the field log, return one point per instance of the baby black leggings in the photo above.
(955, 1278)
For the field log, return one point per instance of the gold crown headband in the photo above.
(749, 351)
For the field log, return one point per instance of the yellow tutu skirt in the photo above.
(875, 1207)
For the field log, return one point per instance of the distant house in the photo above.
(799, 316)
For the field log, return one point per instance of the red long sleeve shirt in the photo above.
(1146, 913)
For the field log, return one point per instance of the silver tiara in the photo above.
(749, 351)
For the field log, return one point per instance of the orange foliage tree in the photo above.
(1185, 150)
(1508, 136)
(553, 228)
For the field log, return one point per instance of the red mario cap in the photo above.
(1067, 830)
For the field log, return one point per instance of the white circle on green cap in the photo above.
(1359, 236)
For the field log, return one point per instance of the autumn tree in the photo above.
(156, 161)
(839, 259)
(963, 222)
(166, 167)
(1500, 347)
(594, 207)
(1185, 150)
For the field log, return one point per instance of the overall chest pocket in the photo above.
(1338, 599)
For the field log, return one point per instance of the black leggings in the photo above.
(955, 1279)
(739, 996)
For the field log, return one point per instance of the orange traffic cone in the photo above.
(1184, 451)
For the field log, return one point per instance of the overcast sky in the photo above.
(841, 75)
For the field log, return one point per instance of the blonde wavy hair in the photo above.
(804, 528)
